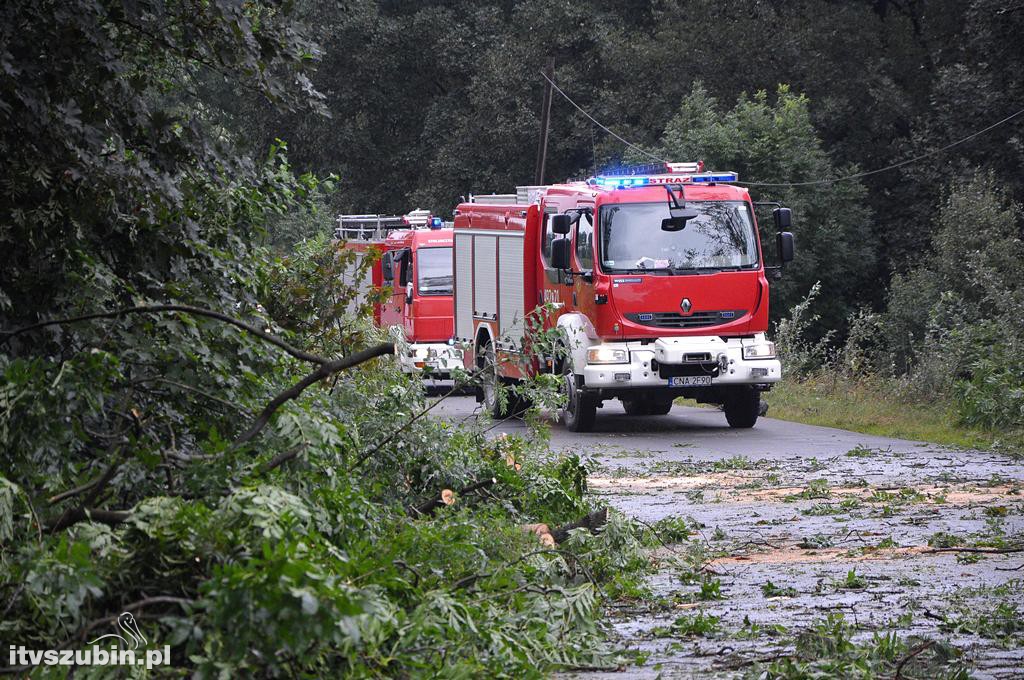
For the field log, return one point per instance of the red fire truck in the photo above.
(656, 281)
(416, 268)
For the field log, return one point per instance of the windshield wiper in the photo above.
(697, 270)
(643, 270)
(711, 270)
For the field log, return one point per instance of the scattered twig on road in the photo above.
(910, 655)
(994, 551)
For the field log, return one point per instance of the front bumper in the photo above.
(436, 358)
(721, 359)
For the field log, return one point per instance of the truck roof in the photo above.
(419, 238)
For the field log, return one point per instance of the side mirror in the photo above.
(679, 218)
(784, 241)
(561, 224)
(783, 218)
(560, 249)
(408, 293)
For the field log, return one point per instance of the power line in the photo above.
(598, 124)
(857, 175)
(908, 161)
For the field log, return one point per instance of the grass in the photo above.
(871, 406)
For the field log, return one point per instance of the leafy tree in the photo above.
(763, 140)
(957, 315)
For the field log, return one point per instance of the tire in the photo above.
(580, 410)
(636, 407)
(490, 383)
(742, 406)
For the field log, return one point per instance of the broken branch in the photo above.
(978, 550)
(437, 501)
(186, 309)
(592, 521)
(323, 371)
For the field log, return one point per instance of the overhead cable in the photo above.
(598, 124)
(856, 175)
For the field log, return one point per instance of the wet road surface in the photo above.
(835, 521)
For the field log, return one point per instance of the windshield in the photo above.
(722, 236)
(434, 271)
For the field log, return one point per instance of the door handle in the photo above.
(574, 298)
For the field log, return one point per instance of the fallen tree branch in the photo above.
(282, 458)
(377, 447)
(994, 551)
(569, 558)
(97, 482)
(437, 501)
(110, 517)
(186, 309)
(592, 521)
(325, 370)
(910, 655)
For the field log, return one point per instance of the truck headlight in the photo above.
(765, 350)
(606, 355)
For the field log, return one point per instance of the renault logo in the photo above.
(686, 305)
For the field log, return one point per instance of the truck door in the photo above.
(408, 292)
(583, 256)
(552, 288)
(394, 308)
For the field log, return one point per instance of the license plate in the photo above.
(690, 381)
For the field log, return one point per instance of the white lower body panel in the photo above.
(642, 369)
(437, 358)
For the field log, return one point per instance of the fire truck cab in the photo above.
(415, 270)
(655, 283)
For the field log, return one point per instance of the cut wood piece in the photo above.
(448, 497)
(594, 520)
(542, 531)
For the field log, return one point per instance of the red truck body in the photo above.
(415, 272)
(648, 308)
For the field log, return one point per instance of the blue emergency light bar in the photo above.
(613, 182)
(436, 223)
(712, 177)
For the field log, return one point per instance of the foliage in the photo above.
(799, 354)
(827, 649)
(187, 466)
(696, 625)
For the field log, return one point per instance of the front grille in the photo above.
(677, 370)
(695, 320)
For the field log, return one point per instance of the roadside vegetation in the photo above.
(942, 362)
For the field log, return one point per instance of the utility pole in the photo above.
(545, 123)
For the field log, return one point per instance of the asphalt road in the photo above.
(803, 506)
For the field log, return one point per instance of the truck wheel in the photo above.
(580, 410)
(489, 381)
(742, 406)
(636, 407)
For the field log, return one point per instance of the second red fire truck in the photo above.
(415, 270)
(653, 280)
